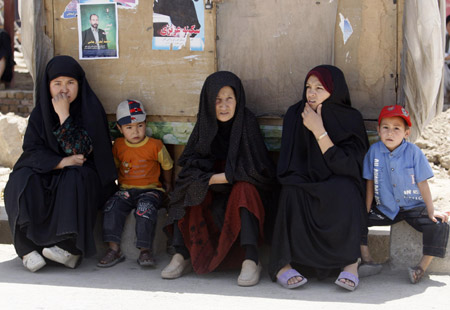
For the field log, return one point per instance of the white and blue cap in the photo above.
(130, 111)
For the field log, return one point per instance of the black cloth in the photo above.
(5, 51)
(321, 205)
(50, 205)
(247, 158)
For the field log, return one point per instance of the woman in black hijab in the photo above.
(64, 173)
(217, 199)
(321, 202)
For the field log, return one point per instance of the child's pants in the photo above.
(147, 203)
(434, 235)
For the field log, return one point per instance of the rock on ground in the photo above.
(12, 130)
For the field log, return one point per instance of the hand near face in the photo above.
(313, 119)
(61, 105)
(64, 90)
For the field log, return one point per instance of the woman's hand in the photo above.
(218, 178)
(74, 160)
(313, 119)
(61, 105)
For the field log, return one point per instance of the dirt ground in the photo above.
(435, 143)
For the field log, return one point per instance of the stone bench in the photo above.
(406, 249)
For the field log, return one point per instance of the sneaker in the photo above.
(61, 256)
(33, 261)
(177, 267)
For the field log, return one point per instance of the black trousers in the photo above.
(434, 235)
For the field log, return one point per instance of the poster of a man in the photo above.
(93, 37)
(97, 31)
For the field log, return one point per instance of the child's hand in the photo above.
(61, 105)
(443, 216)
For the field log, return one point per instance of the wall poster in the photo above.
(72, 12)
(97, 31)
(176, 21)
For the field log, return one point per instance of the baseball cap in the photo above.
(130, 111)
(394, 110)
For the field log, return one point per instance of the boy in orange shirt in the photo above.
(139, 160)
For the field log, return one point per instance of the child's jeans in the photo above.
(147, 203)
(434, 235)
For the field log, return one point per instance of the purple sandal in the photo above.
(347, 276)
(289, 274)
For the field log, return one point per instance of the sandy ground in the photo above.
(435, 143)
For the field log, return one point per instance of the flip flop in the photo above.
(289, 274)
(415, 274)
(347, 276)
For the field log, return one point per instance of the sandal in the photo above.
(146, 259)
(289, 274)
(415, 274)
(111, 258)
(348, 276)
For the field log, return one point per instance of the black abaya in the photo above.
(322, 197)
(46, 205)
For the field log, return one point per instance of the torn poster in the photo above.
(71, 10)
(346, 28)
(176, 21)
(97, 31)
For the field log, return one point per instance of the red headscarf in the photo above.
(324, 77)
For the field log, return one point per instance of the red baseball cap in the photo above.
(394, 110)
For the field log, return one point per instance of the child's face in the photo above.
(392, 131)
(225, 104)
(315, 92)
(65, 85)
(134, 133)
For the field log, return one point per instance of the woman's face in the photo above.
(225, 104)
(64, 85)
(315, 92)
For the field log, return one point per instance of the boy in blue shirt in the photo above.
(397, 172)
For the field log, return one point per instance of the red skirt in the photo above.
(209, 246)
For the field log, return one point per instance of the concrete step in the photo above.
(5, 232)
(378, 237)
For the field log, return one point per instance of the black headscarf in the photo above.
(247, 158)
(41, 149)
(301, 160)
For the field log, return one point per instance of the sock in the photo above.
(183, 251)
(251, 252)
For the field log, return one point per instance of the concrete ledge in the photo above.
(406, 249)
(129, 236)
(5, 232)
(378, 241)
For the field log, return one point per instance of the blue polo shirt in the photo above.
(395, 175)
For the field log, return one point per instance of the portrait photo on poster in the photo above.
(98, 31)
(176, 21)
